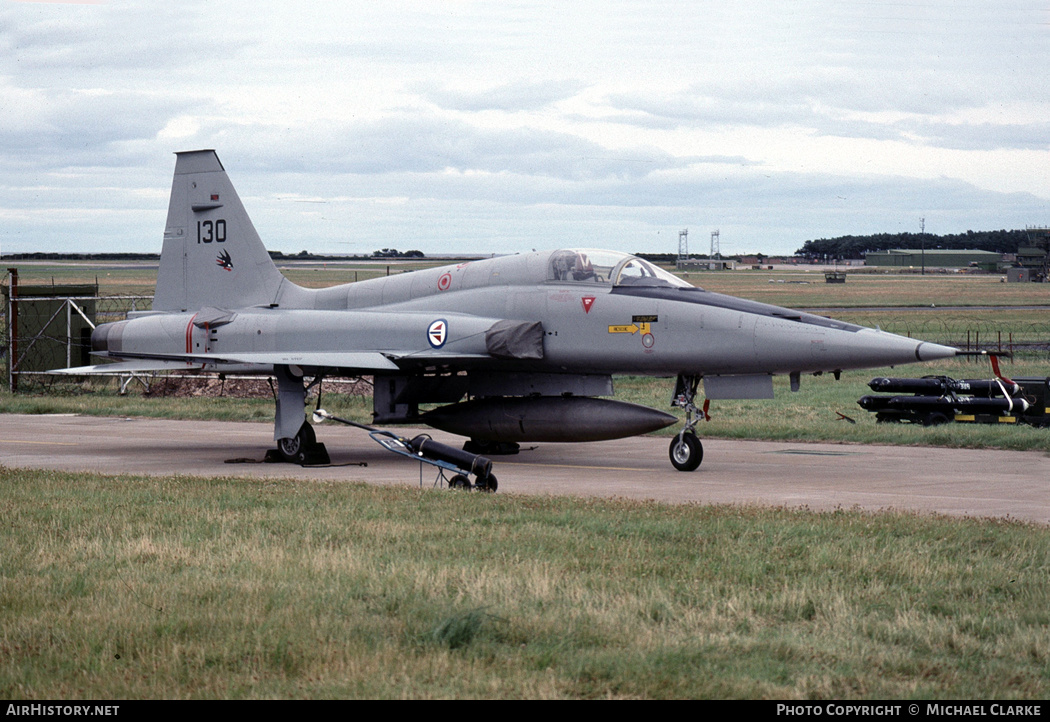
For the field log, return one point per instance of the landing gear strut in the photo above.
(686, 451)
(296, 440)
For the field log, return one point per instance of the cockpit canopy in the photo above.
(608, 268)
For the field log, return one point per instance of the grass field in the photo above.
(122, 588)
(801, 289)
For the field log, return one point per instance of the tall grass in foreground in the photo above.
(184, 587)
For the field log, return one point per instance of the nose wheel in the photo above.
(686, 451)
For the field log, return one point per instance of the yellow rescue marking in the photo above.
(631, 329)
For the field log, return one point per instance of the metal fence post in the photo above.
(12, 328)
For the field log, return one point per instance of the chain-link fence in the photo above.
(1029, 338)
(43, 331)
(54, 332)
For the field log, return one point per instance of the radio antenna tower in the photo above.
(716, 252)
(683, 244)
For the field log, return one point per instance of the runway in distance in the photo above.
(514, 349)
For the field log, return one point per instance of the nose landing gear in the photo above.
(686, 451)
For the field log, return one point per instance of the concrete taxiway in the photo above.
(979, 483)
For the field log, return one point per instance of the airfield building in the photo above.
(933, 258)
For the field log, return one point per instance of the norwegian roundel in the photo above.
(437, 332)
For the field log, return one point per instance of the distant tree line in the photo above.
(307, 256)
(856, 246)
(81, 256)
(659, 257)
(671, 258)
(394, 253)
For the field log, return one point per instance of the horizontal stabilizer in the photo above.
(123, 367)
(364, 360)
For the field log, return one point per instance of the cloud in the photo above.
(420, 145)
(510, 125)
(63, 128)
(521, 95)
(84, 45)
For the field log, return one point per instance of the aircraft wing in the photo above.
(356, 360)
(365, 361)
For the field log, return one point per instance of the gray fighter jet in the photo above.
(515, 349)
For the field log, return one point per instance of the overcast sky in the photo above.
(497, 127)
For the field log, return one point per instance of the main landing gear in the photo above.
(303, 448)
(686, 451)
(296, 441)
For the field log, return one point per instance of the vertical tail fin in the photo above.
(212, 254)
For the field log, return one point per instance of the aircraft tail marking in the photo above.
(212, 254)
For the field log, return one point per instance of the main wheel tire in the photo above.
(686, 452)
(293, 449)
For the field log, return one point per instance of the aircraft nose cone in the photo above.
(870, 348)
(931, 351)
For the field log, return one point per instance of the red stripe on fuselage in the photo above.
(189, 335)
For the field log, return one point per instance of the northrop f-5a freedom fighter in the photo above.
(512, 349)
